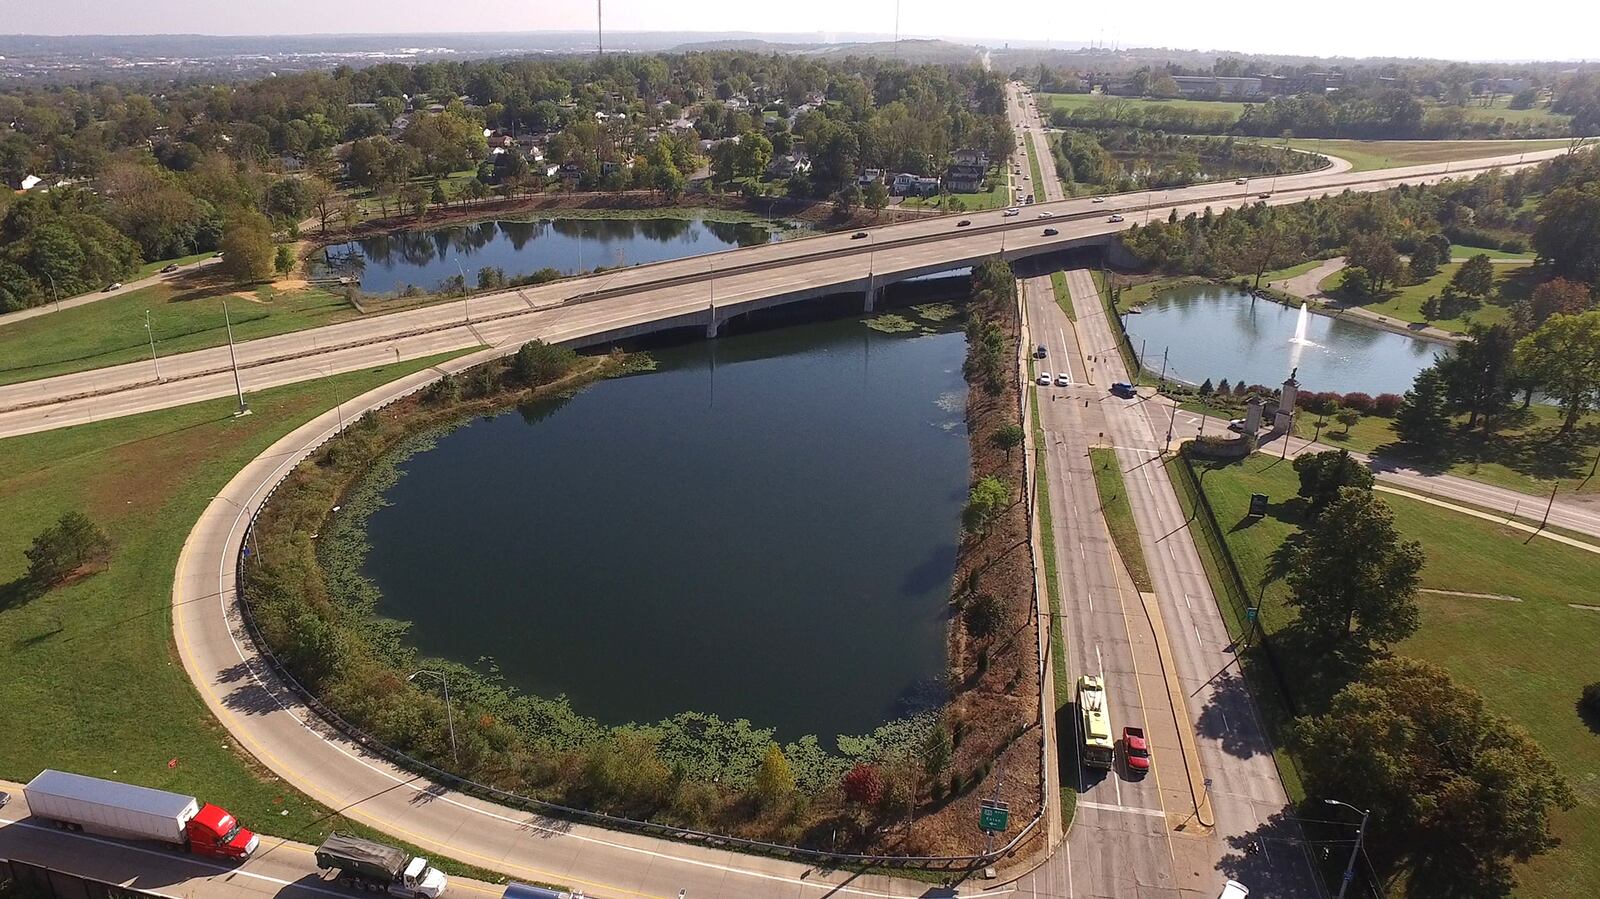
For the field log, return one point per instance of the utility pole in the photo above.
(238, 386)
(1163, 377)
(55, 295)
(152, 336)
(449, 713)
(599, 28)
(1547, 506)
(1361, 832)
(1171, 424)
(465, 292)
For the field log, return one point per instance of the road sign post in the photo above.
(993, 816)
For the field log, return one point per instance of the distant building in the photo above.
(1217, 86)
(30, 182)
(870, 176)
(970, 156)
(788, 164)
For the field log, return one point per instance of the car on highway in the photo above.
(1233, 889)
(1013, 211)
(1114, 219)
(963, 223)
(1237, 425)
(1044, 379)
(1063, 379)
(114, 285)
(4, 798)
(858, 235)
(1264, 196)
(1135, 751)
(1124, 390)
(1241, 181)
(1030, 199)
(1046, 214)
(169, 268)
(1098, 200)
(1041, 352)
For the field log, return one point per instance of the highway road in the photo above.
(279, 868)
(681, 292)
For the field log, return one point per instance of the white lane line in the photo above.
(1187, 603)
(1067, 847)
(1066, 354)
(1119, 807)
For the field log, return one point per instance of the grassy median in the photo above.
(1118, 513)
(1059, 677)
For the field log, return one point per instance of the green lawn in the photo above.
(1118, 512)
(150, 268)
(1034, 172)
(1462, 251)
(1283, 274)
(1058, 284)
(112, 331)
(1539, 114)
(1529, 658)
(1366, 155)
(92, 679)
(998, 196)
(1522, 454)
(1221, 109)
(1405, 303)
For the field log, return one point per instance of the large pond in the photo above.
(425, 258)
(765, 528)
(1216, 332)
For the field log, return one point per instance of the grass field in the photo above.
(1220, 108)
(1529, 658)
(1462, 251)
(1034, 172)
(1365, 155)
(1283, 274)
(150, 268)
(1405, 303)
(112, 332)
(1118, 513)
(1522, 454)
(1539, 114)
(92, 680)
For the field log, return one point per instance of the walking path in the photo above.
(87, 298)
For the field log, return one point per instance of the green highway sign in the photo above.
(993, 816)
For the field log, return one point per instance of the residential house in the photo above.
(965, 178)
(869, 176)
(970, 156)
(788, 164)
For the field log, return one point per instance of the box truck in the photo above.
(380, 868)
(122, 810)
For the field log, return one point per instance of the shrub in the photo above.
(1321, 402)
(1361, 402)
(1386, 405)
(1590, 701)
(66, 546)
(863, 784)
(984, 616)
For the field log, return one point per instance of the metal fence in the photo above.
(820, 858)
(25, 879)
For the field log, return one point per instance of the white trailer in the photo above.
(114, 809)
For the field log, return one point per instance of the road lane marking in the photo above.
(1125, 809)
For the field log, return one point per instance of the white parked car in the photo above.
(1114, 219)
(1044, 379)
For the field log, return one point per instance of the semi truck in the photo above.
(379, 868)
(114, 809)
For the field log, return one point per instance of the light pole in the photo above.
(1361, 832)
(238, 386)
(449, 713)
(464, 292)
(152, 336)
(55, 295)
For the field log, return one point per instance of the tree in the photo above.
(1563, 359)
(537, 362)
(283, 262)
(1568, 233)
(65, 547)
(1425, 261)
(1347, 417)
(876, 196)
(939, 749)
(1007, 437)
(990, 497)
(1478, 374)
(1475, 278)
(1323, 475)
(1559, 296)
(324, 201)
(846, 198)
(1423, 419)
(863, 785)
(1353, 578)
(247, 249)
(985, 615)
(752, 154)
(1456, 791)
(774, 781)
(1376, 255)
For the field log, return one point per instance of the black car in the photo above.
(858, 235)
(169, 269)
(1051, 232)
(963, 223)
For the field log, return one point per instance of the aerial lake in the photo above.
(765, 527)
(1213, 331)
(424, 258)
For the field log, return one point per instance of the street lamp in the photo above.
(152, 335)
(464, 292)
(1361, 832)
(55, 295)
(448, 712)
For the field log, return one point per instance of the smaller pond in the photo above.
(388, 263)
(1213, 331)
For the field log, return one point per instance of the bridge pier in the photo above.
(871, 296)
(713, 325)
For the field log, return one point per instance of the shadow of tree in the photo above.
(18, 592)
(1229, 705)
(1274, 859)
(1589, 715)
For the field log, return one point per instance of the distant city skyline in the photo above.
(1467, 29)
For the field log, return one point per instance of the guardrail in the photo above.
(821, 858)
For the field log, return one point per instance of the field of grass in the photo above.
(1118, 512)
(112, 332)
(1231, 109)
(1461, 251)
(150, 268)
(1058, 284)
(1405, 303)
(1522, 454)
(1529, 658)
(1034, 172)
(1283, 274)
(1366, 155)
(92, 680)
(1540, 113)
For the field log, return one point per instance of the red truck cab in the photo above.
(212, 831)
(1135, 751)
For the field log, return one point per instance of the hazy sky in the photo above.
(1462, 29)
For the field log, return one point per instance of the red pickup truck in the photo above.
(1135, 751)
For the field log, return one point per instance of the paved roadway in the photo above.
(279, 868)
(633, 297)
(87, 298)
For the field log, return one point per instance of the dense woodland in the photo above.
(1123, 159)
(144, 174)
